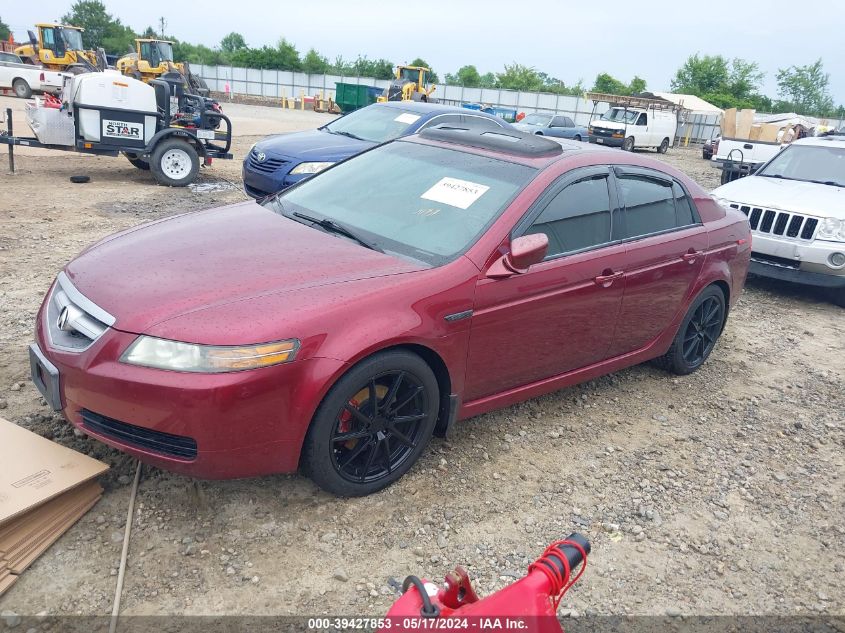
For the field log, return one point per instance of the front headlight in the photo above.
(832, 229)
(309, 168)
(160, 353)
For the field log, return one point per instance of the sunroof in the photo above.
(506, 141)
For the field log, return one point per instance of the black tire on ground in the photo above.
(628, 144)
(837, 296)
(725, 178)
(698, 333)
(21, 89)
(577, 137)
(663, 146)
(354, 448)
(138, 162)
(174, 162)
(80, 179)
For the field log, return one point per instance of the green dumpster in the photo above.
(353, 96)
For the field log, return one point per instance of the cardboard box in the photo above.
(44, 489)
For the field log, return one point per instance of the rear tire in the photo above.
(140, 163)
(380, 448)
(22, 89)
(698, 333)
(174, 163)
(663, 146)
(628, 144)
(577, 137)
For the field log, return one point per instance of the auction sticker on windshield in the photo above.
(455, 192)
(407, 118)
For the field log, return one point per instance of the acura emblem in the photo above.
(260, 157)
(62, 321)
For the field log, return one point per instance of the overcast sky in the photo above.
(568, 40)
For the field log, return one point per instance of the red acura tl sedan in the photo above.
(336, 326)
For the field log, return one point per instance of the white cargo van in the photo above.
(631, 128)
(633, 121)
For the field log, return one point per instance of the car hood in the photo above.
(207, 259)
(313, 145)
(607, 125)
(787, 195)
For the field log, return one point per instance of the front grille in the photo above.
(155, 441)
(781, 223)
(73, 322)
(267, 166)
(601, 131)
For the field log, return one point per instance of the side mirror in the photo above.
(526, 250)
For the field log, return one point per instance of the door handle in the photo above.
(691, 256)
(607, 278)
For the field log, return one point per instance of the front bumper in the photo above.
(609, 141)
(798, 276)
(806, 262)
(243, 424)
(259, 185)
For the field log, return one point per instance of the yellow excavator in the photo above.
(153, 58)
(411, 83)
(59, 47)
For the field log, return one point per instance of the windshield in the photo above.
(810, 163)
(374, 123)
(73, 40)
(537, 119)
(165, 51)
(620, 115)
(426, 203)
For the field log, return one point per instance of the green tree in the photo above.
(806, 89)
(4, 30)
(101, 29)
(419, 61)
(283, 56)
(149, 33)
(314, 63)
(744, 79)
(702, 74)
(232, 42)
(637, 85)
(608, 84)
(465, 76)
(488, 80)
(519, 77)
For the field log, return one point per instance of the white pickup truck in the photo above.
(24, 79)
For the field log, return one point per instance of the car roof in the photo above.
(833, 140)
(508, 144)
(423, 108)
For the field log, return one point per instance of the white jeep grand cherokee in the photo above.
(795, 204)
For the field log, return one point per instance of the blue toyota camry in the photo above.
(279, 161)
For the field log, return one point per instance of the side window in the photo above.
(482, 123)
(49, 39)
(446, 119)
(568, 122)
(649, 205)
(684, 206)
(558, 121)
(576, 218)
(643, 120)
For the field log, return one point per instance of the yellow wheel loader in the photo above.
(152, 59)
(411, 83)
(59, 47)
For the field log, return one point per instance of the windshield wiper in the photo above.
(344, 133)
(832, 183)
(339, 229)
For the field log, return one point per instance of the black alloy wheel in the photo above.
(372, 425)
(697, 334)
(379, 427)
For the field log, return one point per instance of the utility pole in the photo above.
(162, 24)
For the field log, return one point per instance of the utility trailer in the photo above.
(157, 126)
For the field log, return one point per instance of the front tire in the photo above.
(174, 163)
(22, 89)
(663, 147)
(698, 333)
(837, 296)
(628, 144)
(372, 425)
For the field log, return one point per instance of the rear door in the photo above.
(666, 248)
(561, 314)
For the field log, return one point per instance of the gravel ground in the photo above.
(715, 493)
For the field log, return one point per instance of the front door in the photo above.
(561, 314)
